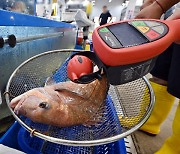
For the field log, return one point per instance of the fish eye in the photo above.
(44, 105)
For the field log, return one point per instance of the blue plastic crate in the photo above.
(36, 146)
(10, 137)
(79, 47)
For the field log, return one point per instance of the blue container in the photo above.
(18, 138)
(91, 45)
(10, 137)
(78, 47)
(34, 145)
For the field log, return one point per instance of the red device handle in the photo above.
(80, 68)
(139, 53)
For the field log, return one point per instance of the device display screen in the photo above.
(132, 33)
(127, 35)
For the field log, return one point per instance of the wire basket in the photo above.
(127, 106)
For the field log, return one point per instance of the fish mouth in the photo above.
(18, 109)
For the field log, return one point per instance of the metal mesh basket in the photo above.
(127, 106)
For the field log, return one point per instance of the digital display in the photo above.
(127, 35)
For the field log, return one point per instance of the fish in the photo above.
(62, 104)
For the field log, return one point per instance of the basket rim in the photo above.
(77, 142)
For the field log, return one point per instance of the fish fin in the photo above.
(98, 118)
(71, 93)
(49, 81)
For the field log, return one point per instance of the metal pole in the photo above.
(40, 36)
(12, 40)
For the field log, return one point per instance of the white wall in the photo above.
(114, 7)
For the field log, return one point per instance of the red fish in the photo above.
(63, 104)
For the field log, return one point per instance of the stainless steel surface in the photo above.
(133, 103)
(40, 36)
(10, 58)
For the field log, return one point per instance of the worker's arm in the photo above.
(154, 10)
(167, 4)
(110, 19)
(146, 3)
(100, 18)
(110, 16)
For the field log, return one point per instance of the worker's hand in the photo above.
(175, 15)
(146, 3)
(152, 11)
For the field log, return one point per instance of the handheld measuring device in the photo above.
(128, 49)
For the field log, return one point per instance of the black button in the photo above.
(12, 40)
(80, 59)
